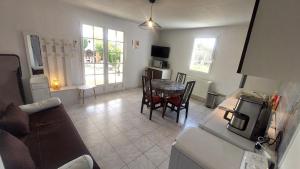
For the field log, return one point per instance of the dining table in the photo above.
(167, 87)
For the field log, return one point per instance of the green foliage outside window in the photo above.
(114, 53)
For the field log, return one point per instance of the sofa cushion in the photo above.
(15, 121)
(14, 153)
(41, 105)
(54, 141)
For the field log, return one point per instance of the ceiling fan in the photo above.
(149, 23)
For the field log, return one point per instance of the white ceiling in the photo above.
(176, 13)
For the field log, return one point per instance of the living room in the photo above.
(97, 63)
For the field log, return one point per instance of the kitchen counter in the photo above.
(216, 124)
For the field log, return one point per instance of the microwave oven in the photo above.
(160, 64)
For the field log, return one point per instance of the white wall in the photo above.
(291, 158)
(59, 20)
(230, 41)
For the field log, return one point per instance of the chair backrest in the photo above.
(187, 92)
(181, 77)
(147, 87)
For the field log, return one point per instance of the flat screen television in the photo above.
(160, 51)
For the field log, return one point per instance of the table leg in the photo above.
(164, 106)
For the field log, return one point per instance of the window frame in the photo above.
(122, 53)
(82, 54)
(212, 56)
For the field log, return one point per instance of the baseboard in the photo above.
(201, 99)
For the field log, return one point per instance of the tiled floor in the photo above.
(120, 137)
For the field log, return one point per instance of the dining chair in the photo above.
(180, 77)
(149, 96)
(180, 102)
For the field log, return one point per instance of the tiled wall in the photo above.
(288, 114)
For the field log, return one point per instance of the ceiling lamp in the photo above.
(150, 24)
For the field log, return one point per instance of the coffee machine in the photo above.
(250, 117)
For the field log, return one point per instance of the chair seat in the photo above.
(175, 100)
(155, 99)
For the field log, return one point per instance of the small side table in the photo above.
(83, 88)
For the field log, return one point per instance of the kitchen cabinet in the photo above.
(271, 49)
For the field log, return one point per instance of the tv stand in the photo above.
(159, 73)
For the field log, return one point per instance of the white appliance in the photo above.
(160, 64)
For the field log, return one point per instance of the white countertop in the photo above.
(216, 124)
(209, 151)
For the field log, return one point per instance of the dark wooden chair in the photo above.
(177, 103)
(149, 96)
(181, 77)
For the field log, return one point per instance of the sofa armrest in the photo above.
(82, 162)
(41, 105)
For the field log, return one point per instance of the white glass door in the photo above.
(103, 56)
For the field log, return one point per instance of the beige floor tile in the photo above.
(112, 162)
(141, 163)
(156, 155)
(133, 134)
(118, 141)
(165, 164)
(143, 144)
(128, 153)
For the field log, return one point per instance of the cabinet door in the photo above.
(272, 45)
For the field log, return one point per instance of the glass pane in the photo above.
(99, 69)
(87, 31)
(111, 46)
(120, 46)
(121, 58)
(202, 54)
(89, 69)
(114, 57)
(119, 77)
(89, 80)
(88, 53)
(99, 79)
(111, 78)
(112, 36)
(112, 68)
(99, 51)
(120, 36)
(119, 68)
(98, 33)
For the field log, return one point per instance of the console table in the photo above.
(158, 73)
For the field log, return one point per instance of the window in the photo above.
(103, 55)
(115, 56)
(93, 54)
(202, 56)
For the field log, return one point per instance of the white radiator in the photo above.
(201, 88)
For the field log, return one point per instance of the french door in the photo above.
(103, 57)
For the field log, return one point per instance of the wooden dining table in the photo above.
(167, 86)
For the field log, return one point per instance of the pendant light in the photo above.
(150, 24)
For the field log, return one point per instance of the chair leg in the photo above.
(173, 108)
(142, 106)
(186, 111)
(178, 111)
(151, 108)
